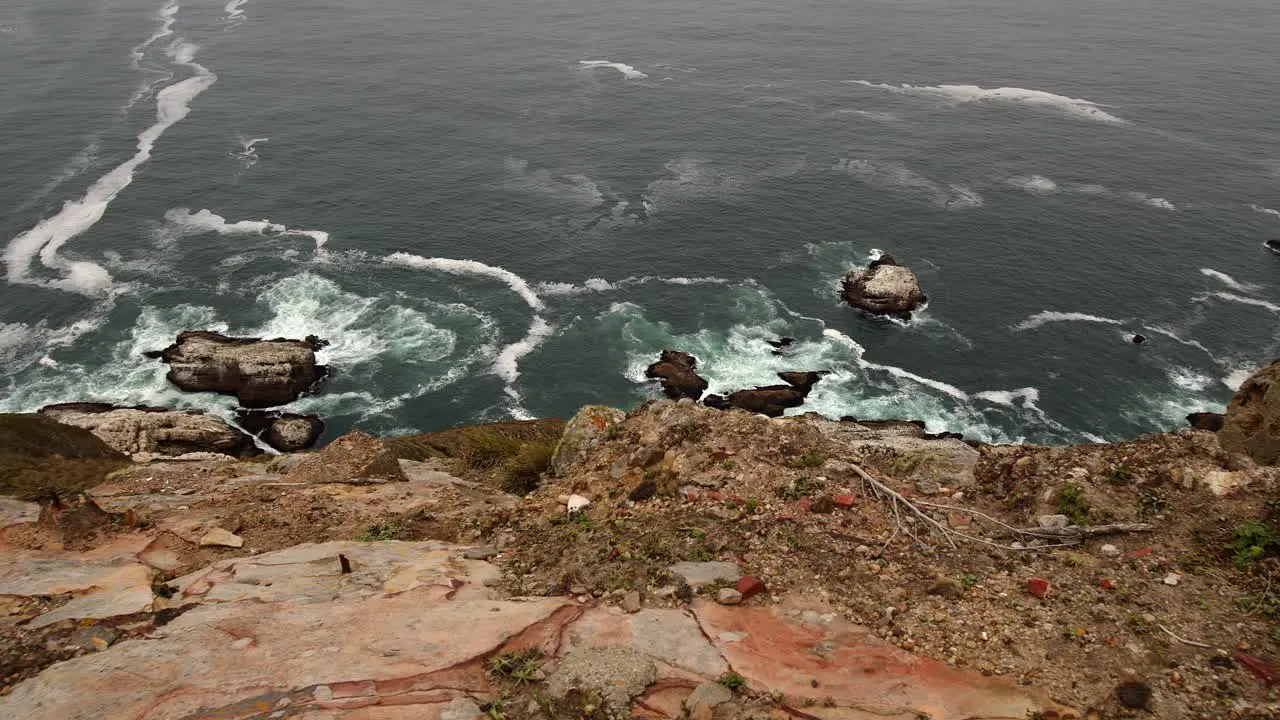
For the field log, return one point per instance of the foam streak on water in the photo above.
(1048, 316)
(77, 216)
(1229, 281)
(186, 222)
(627, 71)
(1075, 107)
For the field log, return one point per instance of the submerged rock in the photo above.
(261, 373)
(676, 371)
(1273, 245)
(884, 288)
(285, 432)
(159, 431)
(1252, 422)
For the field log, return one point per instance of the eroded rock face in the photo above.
(134, 430)
(354, 457)
(676, 370)
(285, 432)
(261, 373)
(884, 288)
(1252, 423)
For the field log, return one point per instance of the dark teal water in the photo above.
(512, 227)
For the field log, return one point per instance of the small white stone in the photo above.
(242, 643)
(1171, 579)
(576, 503)
(1109, 551)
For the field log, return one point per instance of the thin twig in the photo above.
(1185, 641)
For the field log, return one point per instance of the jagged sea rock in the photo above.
(152, 430)
(771, 400)
(582, 433)
(1210, 421)
(676, 370)
(1252, 423)
(883, 288)
(355, 457)
(38, 453)
(261, 373)
(286, 432)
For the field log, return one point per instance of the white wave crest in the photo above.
(1075, 107)
(897, 177)
(234, 10)
(1034, 184)
(1048, 316)
(1232, 297)
(627, 71)
(77, 216)
(507, 363)
(1229, 281)
(1155, 202)
(600, 285)
(203, 221)
(1265, 210)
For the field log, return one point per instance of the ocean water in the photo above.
(502, 210)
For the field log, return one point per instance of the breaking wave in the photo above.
(1074, 107)
(1229, 281)
(627, 71)
(185, 222)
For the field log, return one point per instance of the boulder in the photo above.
(39, 454)
(1252, 422)
(1210, 421)
(582, 433)
(153, 430)
(1273, 245)
(261, 373)
(285, 432)
(884, 288)
(356, 457)
(676, 371)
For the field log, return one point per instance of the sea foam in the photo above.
(1075, 107)
(77, 216)
(1048, 316)
(203, 221)
(1229, 281)
(627, 71)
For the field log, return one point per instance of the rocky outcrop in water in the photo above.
(1252, 423)
(1210, 421)
(261, 373)
(160, 431)
(286, 432)
(676, 370)
(884, 288)
(771, 400)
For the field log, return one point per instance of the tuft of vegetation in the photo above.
(1120, 476)
(487, 450)
(521, 668)
(1073, 503)
(969, 581)
(522, 473)
(383, 531)
(800, 487)
(1251, 541)
(40, 457)
(733, 681)
(808, 461)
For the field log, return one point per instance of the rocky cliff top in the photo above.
(675, 560)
